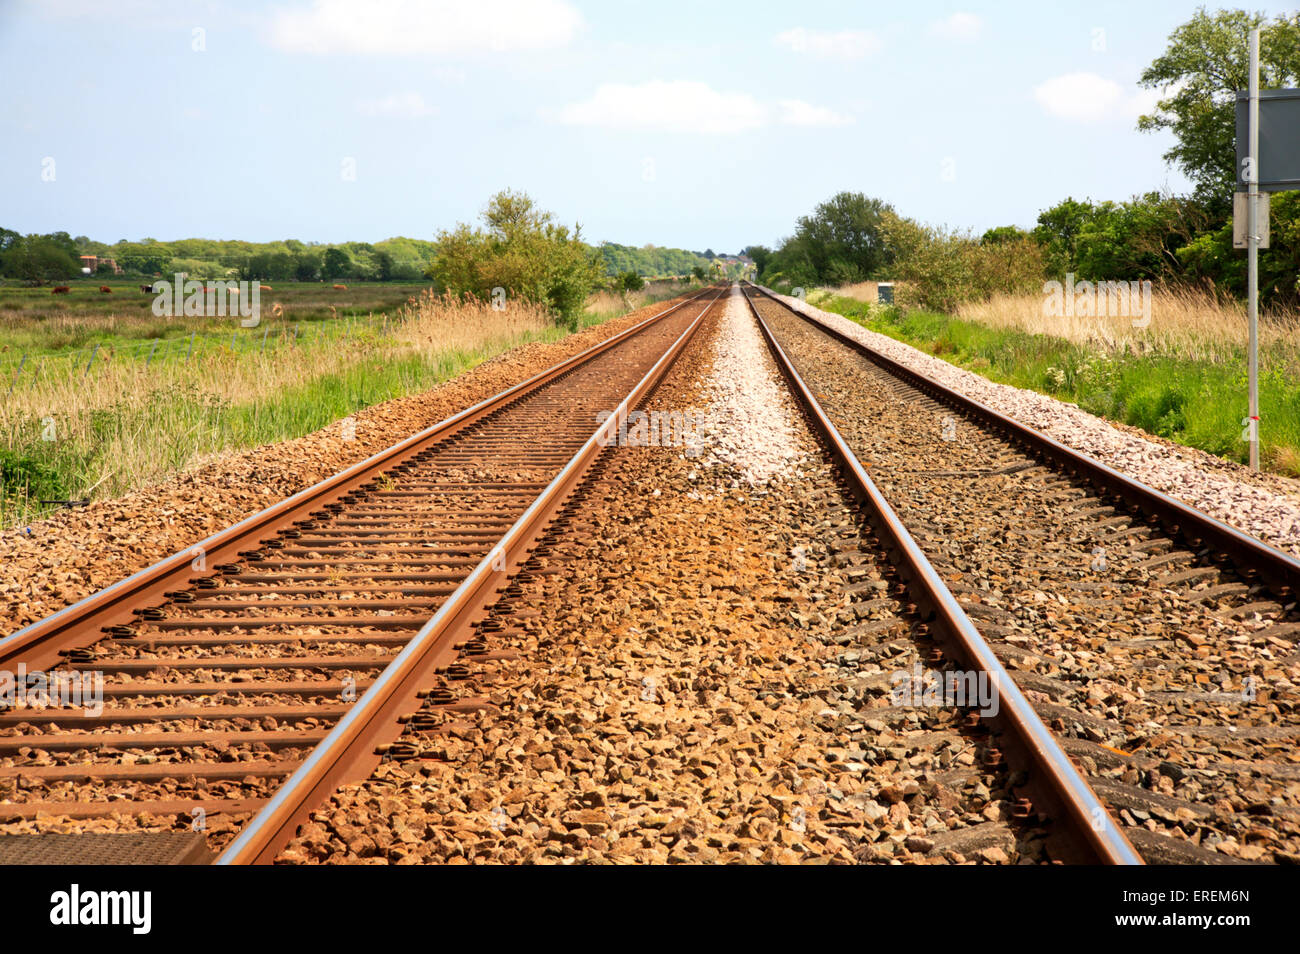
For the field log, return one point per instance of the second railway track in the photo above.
(1164, 663)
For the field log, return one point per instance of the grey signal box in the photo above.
(1279, 139)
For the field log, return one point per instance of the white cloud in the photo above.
(962, 27)
(677, 106)
(406, 27)
(396, 106)
(795, 112)
(824, 44)
(1089, 98)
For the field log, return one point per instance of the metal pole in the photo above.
(1252, 250)
(190, 350)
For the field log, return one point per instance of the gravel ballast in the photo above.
(698, 672)
(55, 562)
(1263, 505)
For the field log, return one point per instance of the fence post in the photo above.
(93, 351)
(190, 350)
(151, 351)
(264, 334)
(18, 372)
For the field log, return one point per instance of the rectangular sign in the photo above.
(1240, 218)
(1279, 139)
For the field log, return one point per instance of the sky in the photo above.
(678, 124)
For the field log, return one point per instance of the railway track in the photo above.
(1156, 643)
(250, 677)
(667, 653)
(246, 677)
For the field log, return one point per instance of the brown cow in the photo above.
(264, 287)
(61, 290)
(340, 287)
(105, 289)
(147, 288)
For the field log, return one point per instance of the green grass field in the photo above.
(1198, 403)
(36, 321)
(117, 420)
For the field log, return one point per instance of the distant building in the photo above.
(93, 262)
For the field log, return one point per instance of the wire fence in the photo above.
(25, 368)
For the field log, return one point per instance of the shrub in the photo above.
(523, 251)
(629, 282)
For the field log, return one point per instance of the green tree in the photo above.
(143, 258)
(1138, 239)
(1210, 258)
(37, 259)
(337, 264)
(760, 254)
(1002, 235)
(307, 266)
(1058, 233)
(630, 282)
(522, 250)
(1204, 65)
(840, 242)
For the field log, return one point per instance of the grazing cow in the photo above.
(147, 288)
(340, 287)
(265, 287)
(62, 290)
(105, 289)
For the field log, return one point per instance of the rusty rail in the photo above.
(352, 738)
(1251, 558)
(41, 645)
(1089, 833)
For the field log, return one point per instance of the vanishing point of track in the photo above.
(255, 673)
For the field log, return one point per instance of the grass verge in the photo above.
(75, 435)
(1194, 396)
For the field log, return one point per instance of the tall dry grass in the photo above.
(71, 434)
(858, 291)
(1185, 323)
(605, 304)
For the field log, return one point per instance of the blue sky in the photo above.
(682, 124)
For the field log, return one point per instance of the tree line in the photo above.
(37, 259)
(1178, 240)
(56, 256)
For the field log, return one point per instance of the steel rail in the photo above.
(1251, 557)
(351, 741)
(39, 645)
(1056, 785)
